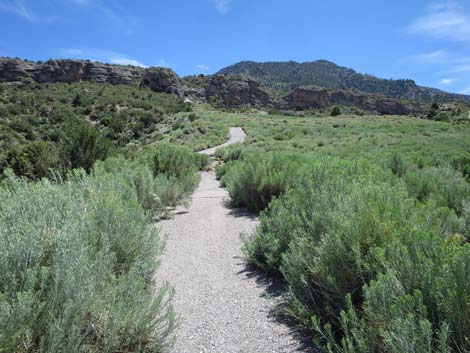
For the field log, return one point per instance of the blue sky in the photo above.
(428, 41)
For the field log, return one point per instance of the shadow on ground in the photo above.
(274, 287)
(239, 212)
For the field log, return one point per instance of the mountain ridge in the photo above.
(286, 76)
(221, 90)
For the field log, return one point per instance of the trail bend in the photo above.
(223, 306)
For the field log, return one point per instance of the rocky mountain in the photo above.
(287, 76)
(314, 97)
(14, 70)
(226, 90)
(222, 90)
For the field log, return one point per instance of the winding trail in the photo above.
(223, 306)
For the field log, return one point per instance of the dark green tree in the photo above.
(336, 111)
(84, 144)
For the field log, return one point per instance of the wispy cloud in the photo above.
(447, 81)
(126, 61)
(436, 56)
(202, 67)
(447, 20)
(223, 6)
(101, 55)
(51, 11)
(19, 8)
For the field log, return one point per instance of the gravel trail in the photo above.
(223, 306)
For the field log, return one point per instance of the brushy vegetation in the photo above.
(369, 225)
(374, 258)
(367, 218)
(50, 128)
(254, 181)
(78, 257)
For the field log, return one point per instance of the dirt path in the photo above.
(224, 308)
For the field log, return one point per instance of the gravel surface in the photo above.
(224, 307)
(236, 135)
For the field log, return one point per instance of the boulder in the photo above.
(12, 70)
(236, 90)
(162, 80)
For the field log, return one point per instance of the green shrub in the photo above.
(84, 145)
(392, 321)
(163, 176)
(78, 268)
(177, 161)
(233, 152)
(35, 159)
(336, 111)
(254, 182)
(442, 184)
(462, 163)
(365, 268)
(398, 164)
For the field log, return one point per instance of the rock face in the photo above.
(236, 90)
(313, 97)
(68, 71)
(232, 90)
(162, 80)
(16, 70)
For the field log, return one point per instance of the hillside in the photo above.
(63, 125)
(286, 76)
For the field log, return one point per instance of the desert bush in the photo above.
(392, 321)
(320, 186)
(462, 163)
(78, 268)
(35, 159)
(442, 184)
(177, 161)
(366, 270)
(259, 178)
(397, 164)
(233, 152)
(84, 145)
(336, 111)
(163, 176)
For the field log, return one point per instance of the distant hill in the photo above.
(286, 76)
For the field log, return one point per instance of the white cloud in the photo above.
(447, 81)
(223, 6)
(447, 20)
(19, 8)
(126, 61)
(202, 67)
(101, 55)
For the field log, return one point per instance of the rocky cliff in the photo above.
(232, 91)
(313, 97)
(14, 70)
(236, 91)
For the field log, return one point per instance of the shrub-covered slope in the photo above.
(78, 257)
(374, 256)
(287, 76)
(61, 126)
